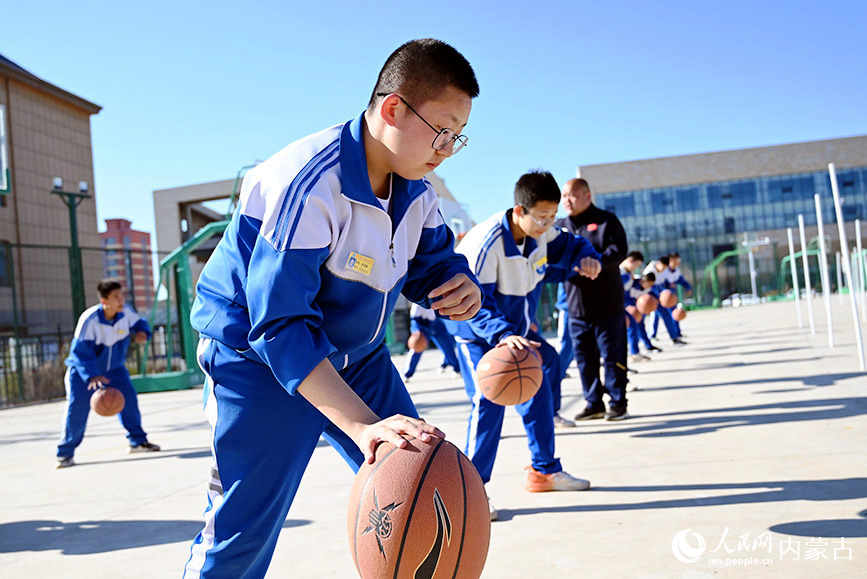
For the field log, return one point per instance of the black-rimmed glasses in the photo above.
(444, 138)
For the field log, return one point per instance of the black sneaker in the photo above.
(589, 414)
(144, 447)
(617, 413)
(654, 349)
(679, 342)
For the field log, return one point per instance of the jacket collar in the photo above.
(104, 320)
(356, 179)
(510, 248)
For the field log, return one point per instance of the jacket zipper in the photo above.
(385, 294)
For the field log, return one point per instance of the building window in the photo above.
(687, 199)
(5, 266)
(621, 205)
(729, 225)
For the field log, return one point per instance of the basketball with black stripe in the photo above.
(419, 512)
(509, 376)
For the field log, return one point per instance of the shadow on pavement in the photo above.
(829, 528)
(87, 537)
(818, 380)
(656, 425)
(759, 492)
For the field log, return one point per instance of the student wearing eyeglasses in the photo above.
(512, 254)
(293, 304)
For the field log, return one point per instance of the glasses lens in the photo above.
(443, 140)
(460, 143)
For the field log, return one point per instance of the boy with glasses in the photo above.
(512, 254)
(292, 305)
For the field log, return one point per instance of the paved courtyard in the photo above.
(748, 441)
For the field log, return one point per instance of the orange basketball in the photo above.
(668, 298)
(508, 376)
(417, 342)
(107, 401)
(633, 311)
(420, 511)
(646, 304)
(679, 314)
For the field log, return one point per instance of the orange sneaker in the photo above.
(538, 482)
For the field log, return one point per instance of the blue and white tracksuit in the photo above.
(309, 269)
(424, 320)
(674, 277)
(566, 353)
(99, 348)
(666, 279)
(635, 332)
(511, 282)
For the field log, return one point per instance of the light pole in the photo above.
(645, 241)
(76, 271)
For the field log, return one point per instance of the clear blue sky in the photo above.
(192, 91)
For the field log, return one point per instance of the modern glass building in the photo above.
(701, 205)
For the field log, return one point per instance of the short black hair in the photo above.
(534, 187)
(649, 276)
(673, 254)
(635, 255)
(663, 260)
(106, 286)
(419, 70)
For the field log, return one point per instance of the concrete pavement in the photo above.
(750, 439)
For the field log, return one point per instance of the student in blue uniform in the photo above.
(292, 305)
(631, 290)
(565, 351)
(96, 360)
(512, 253)
(648, 285)
(675, 278)
(425, 321)
(660, 268)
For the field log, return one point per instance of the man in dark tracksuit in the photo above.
(597, 325)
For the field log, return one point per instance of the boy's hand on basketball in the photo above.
(518, 342)
(460, 298)
(392, 430)
(97, 382)
(141, 337)
(589, 267)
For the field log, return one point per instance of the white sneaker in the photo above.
(558, 481)
(637, 358)
(493, 511)
(631, 387)
(560, 422)
(64, 462)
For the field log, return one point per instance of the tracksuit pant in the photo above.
(436, 332)
(670, 324)
(262, 440)
(486, 418)
(78, 408)
(565, 352)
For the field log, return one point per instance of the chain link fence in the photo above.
(38, 313)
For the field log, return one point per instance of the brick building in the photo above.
(127, 259)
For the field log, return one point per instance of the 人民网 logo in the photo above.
(685, 552)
